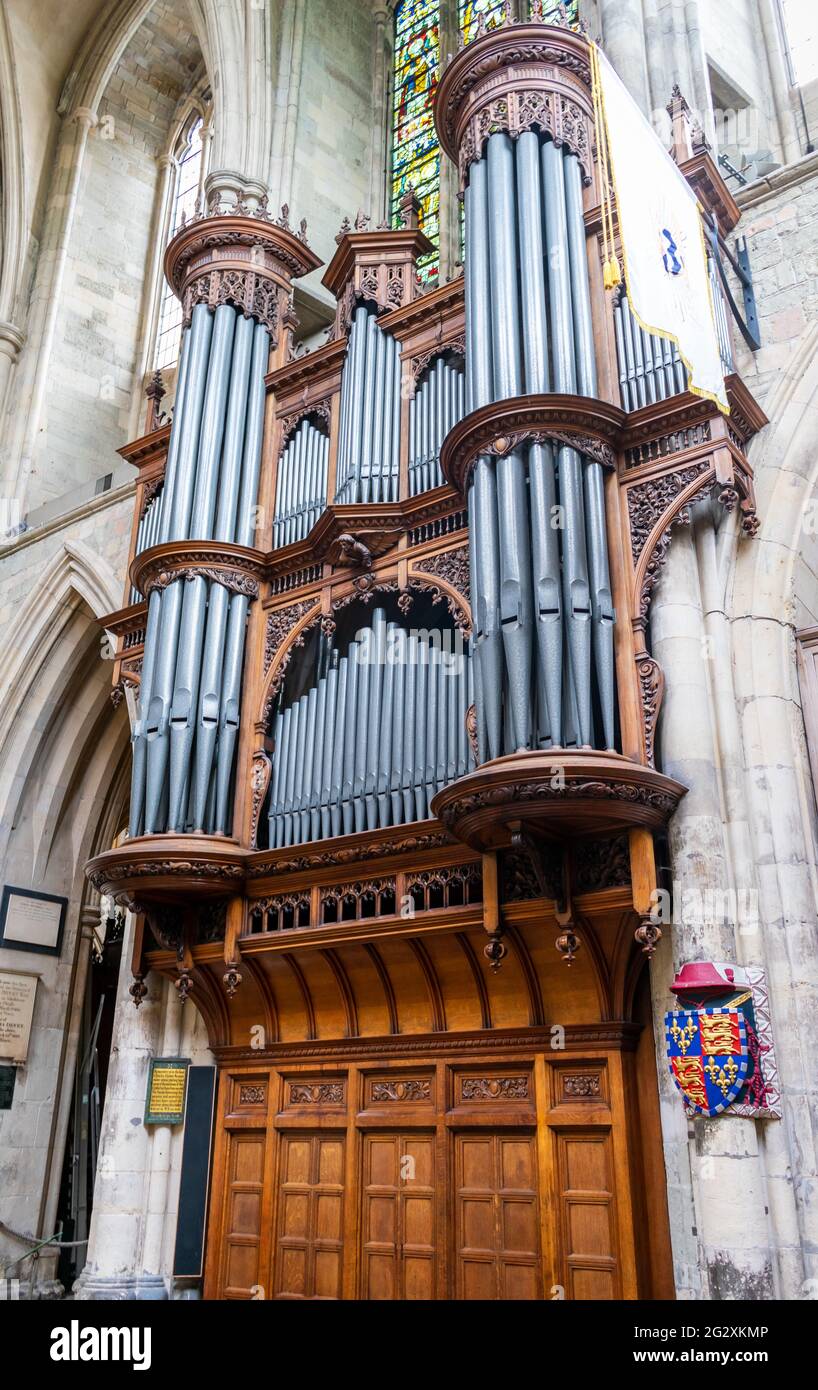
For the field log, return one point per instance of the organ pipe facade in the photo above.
(385, 645)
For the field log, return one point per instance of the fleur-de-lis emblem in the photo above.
(683, 1037)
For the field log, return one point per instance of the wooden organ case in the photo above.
(395, 784)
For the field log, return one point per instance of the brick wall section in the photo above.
(781, 227)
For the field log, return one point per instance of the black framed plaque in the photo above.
(167, 1091)
(32, 921)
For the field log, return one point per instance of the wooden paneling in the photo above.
(497, 1220)
(309, 1247)
(245, 1181)
(498, 1175)
(398, 1216)
(587, 1215)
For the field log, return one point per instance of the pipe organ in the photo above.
(386, 633)
(434, 410)
(543, 607)
(374, 738)
(369, 429)
(301, 484)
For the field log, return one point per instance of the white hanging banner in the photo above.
(662, 238)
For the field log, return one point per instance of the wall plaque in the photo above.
(31, 921)
(167, 1090)
(17, 994)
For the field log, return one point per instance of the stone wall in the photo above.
(99, 326)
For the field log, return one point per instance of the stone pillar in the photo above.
(791, 148)
(113, 1268)
(675, 54)
(11, 341)
(19, 457)
(726, 1200)
(623, 41)
(288, 82)
(381, 124)
(159, 1159)
(151, 297)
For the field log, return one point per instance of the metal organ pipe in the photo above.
(373, 739)
(229, 705)
(434, 410)
(369, 436)
(602, 609)
(184, 746)
(301, 484)
(543, 615)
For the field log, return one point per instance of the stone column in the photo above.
(11, 341)
(115, 1244)
(381, 124)
(46, 300)
(726, 1201)
(779, 82)
(623, 41)
(159, 1160)
(151, 297)
(675, 54)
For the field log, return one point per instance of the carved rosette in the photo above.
(239, 259)
(517, 78)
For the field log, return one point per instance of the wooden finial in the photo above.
(154, 393)
(410, 209)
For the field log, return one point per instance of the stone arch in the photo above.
(48, 654)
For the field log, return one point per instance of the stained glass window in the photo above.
(415, 150)
(550, 11)
(474, 14)
(186, 191)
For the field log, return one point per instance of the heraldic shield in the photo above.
(708, 1057)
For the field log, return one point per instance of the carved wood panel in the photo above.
(244, 1198)
(498, 1218)
(398, 1233)
(309, 1246)
(486, 1176)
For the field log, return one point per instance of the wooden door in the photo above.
(497, 1254)
(309, 1246)
(398, 1237)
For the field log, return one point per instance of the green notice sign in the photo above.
(167, 1090)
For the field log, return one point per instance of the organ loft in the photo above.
(396, 823)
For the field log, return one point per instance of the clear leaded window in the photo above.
(188, 180)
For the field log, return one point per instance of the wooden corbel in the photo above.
(495, 949)
(643, 886)
(232, 951)
(138, 990)
(184, 957)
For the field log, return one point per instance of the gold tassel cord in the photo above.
(611, 269)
